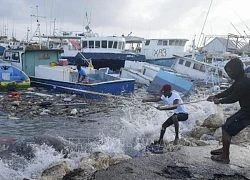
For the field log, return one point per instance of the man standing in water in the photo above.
(180, 111)
(239, 91)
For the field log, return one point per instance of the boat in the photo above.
(143, 72)
(162, 51)
(155, 76)
(12, 78)
(198, 70)
(90, 48)
(184, 68)
(41, 65)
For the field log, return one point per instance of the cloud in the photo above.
(147, 18)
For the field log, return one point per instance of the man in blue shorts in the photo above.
(238, 92)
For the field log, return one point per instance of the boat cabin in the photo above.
(162, 48)
(45, 64)
(199, 70)
(103, 44)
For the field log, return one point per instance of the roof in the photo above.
(55, 50)
(60, 37)
(231, 44)
(133, 39)
(170, 39)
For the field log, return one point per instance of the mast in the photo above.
(204, 23)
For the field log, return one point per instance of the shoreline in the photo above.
(186, 163)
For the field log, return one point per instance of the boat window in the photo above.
(147, 42)
(188, 63)
(181, 61)
(91, 44)
(119, 45)
(183, 43)
(110, 44)
(115, 45)
(84, 44)
(220, 73)
(197, 66)
(11, 56)
(15, 56)
(123, 45)
(7, 56)
(202, 68)
(97, 44)
(165, 43)
(104, 44)
(159, 42)
(175, 43)
(171, 42)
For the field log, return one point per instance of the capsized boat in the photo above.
(12, 78)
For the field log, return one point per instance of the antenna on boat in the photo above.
(38, 27)
(238, 32)
(54, 27)
(204, 23)
(242, 20)
(193, 48)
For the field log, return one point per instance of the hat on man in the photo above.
(166, 87)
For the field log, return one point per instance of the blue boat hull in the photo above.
(179, 84)
(95, 90)
(12, 78)
(114, 61)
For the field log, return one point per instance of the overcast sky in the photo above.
(144, 18)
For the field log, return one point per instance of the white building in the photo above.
(221, 45)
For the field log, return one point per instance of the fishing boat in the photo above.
(12, 78)
(198, 70)
(184, 69)
(162, 51)
(46, 68)
(89, 47)
(156, 76)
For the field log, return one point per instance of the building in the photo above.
(221, 45)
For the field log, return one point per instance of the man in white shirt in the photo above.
(180, 111)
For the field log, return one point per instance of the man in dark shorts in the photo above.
(180, 111)
(239, 91)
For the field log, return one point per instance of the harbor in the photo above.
(124, 90)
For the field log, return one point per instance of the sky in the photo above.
(144, 18)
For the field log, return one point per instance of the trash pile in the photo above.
(35, 103)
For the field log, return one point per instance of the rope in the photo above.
(191, 102)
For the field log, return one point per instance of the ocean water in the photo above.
(127, 128)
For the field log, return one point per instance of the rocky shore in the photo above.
(186, 163)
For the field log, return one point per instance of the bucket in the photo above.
(52, 64)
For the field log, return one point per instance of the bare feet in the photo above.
(221, 158)
(160, 142)
(176, 140)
